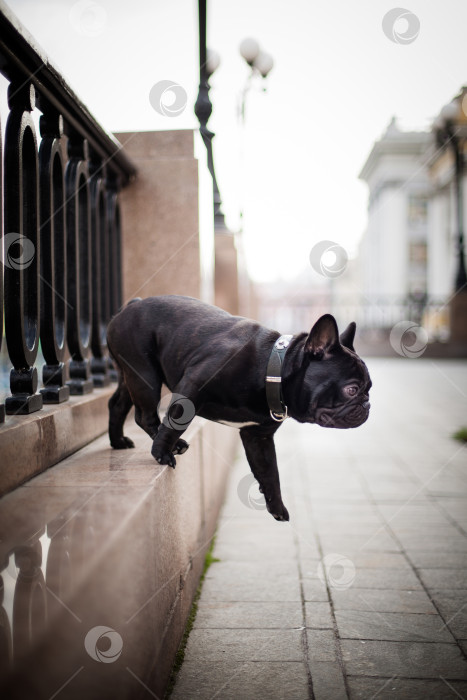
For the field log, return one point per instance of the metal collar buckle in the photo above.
(277, 409)
(279, 417)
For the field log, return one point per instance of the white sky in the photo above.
(336, 83)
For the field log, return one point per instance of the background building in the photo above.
(393, 251)
(411, 262)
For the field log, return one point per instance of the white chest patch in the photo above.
(236, 425)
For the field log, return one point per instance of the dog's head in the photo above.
(333, 387)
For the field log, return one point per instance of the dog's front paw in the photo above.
(162, 456)
(122, 443)
(181, 447)
(278, 510)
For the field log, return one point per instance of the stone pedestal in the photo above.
(226, 292)
(162, 252)
(458, 318)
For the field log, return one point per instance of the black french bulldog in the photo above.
(231, 370)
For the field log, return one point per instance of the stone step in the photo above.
(101, 557)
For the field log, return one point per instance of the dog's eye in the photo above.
(351, 390)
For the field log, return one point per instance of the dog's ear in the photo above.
(323, 338)
(347, 336)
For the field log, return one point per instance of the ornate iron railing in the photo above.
(61, 230)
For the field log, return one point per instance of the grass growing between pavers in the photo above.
(180, 655)
(461, 435)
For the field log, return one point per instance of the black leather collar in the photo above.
(277, 408)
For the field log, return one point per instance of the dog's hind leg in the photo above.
(180, 413)
(119, 404)
(146, 394)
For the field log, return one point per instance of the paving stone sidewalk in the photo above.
(364, 593)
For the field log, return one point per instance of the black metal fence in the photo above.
(61, 257)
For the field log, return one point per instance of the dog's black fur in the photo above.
(216, 364)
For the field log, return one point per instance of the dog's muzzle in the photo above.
(347, 416)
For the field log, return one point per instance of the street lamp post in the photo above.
(260, 62)
(208, 62)
(451, 133)
(461, 276)
(227, 271)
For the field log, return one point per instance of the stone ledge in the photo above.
(107, 538)
(31, 444)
